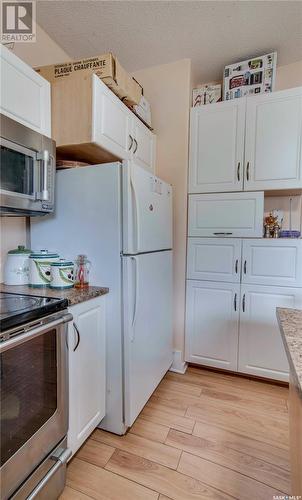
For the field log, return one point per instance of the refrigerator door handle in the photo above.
(135, 219)
(136, 299)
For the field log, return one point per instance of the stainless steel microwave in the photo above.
(27, 173)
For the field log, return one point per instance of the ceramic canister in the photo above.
(16, 271)
(39, 268)
(62, 274)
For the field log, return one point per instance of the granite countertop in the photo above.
(73, 295)
(290, 322)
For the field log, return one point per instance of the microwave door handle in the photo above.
(45, 158)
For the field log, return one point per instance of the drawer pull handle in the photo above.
(238, 171)
(243, 303)
(236, 266)
(248, 171)
(131, 142)
(222, 234)
(235, 302)
(244, 267)
(136, 146)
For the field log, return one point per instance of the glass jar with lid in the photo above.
(81, 272)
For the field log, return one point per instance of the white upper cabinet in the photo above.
(111, 120)
(226, 214)
(143, 145)
(106, 131)
(214, 259)
(216, 147)
(249, 144)
(25, 95)
(272, 262)
(212, 323)
(273, 141)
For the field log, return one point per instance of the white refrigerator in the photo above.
(120, 215)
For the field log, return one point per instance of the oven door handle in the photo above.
(32, 333)
(59, 462)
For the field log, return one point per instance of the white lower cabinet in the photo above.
(233, 289)
(212, 323)
(87, 370)
(261, 350)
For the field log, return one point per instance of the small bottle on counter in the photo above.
(82, 268)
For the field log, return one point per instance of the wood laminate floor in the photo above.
(202, 435)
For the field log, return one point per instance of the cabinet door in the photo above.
(273, 141)
(214, 259)
(25, 95)
(230, 214)
(272, 262)
(144, 144)
(212, 324)
(111, 121)
(216, 147)
(87, 375)
(261, 350)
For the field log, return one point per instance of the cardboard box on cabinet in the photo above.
(106, 67)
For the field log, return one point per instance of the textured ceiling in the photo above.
(146, 33)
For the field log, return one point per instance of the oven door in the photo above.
(34, 399)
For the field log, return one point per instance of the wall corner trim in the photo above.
(178, 365)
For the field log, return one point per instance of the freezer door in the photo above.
(147, 327)
(147, 211)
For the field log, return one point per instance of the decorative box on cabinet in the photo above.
(25, 95)
(214, 259)
(212, 318)
(273, 144)
(87, 370)
(107, 130)
(216, 147)
(226, 214)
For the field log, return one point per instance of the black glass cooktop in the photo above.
(17, 309)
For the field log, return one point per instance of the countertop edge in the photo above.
(289, 343)
(74, 296)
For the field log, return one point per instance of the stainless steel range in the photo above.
(34, 396)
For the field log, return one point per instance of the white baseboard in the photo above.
(178, 366)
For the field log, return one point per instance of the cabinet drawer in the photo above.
(229, 214)
(272, 262)
(214, 259)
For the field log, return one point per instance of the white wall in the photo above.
(168, 88)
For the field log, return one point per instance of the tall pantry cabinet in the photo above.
(235, 277)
